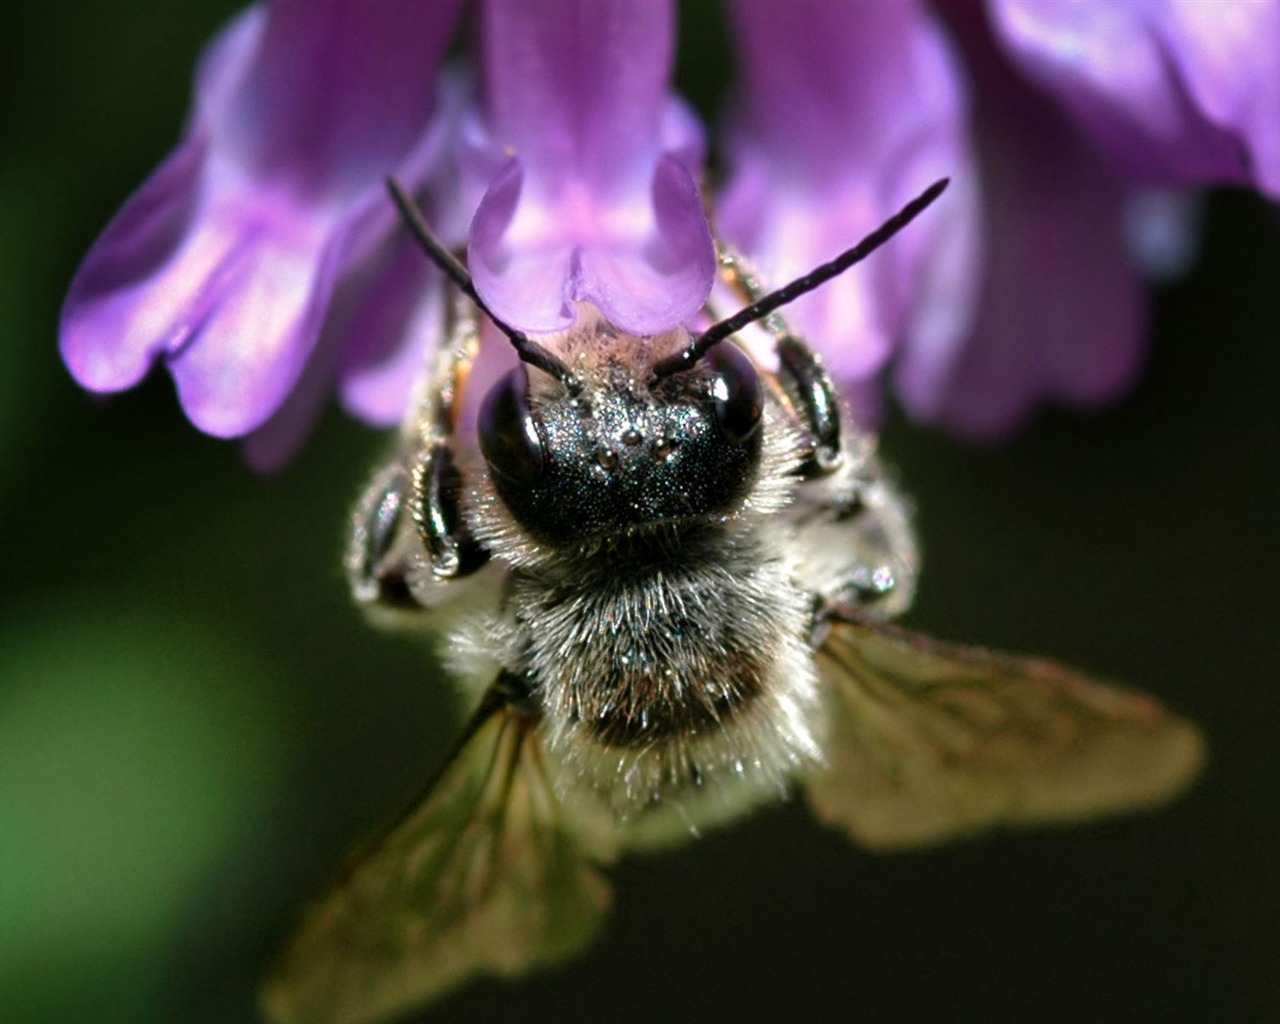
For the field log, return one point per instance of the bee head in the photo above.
(611, 454)
(623, 453)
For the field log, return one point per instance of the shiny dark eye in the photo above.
(508, 434)
(735, 390)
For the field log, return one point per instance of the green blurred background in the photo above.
(195, 726)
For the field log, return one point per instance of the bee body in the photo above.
(660, 551)
(661, 569)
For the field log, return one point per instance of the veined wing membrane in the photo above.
(931, 740)
(491, 873)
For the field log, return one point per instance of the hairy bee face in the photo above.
(646, 609)
(627, 452)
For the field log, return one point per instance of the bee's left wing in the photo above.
(491, 873)
(930, 740)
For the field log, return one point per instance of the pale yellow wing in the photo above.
(931, 741)
(491, 874)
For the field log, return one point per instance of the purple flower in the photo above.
(1139, 96)
(845, 112)
(1020, 288)
(1060, 314)
(263, 265)
(1181, 90)
(586, 168)
(227, 262)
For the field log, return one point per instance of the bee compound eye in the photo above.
(509, 435)
(736, 392)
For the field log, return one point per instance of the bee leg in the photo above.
(813, 395)
(407, 527)
(853, 528)
(434, 483)
(803, 378)
(437, 487)
(378, 561)
(854, 537)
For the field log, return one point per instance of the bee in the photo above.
(662, 570)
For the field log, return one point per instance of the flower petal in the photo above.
(595, 200)
(670, 284)
(258, 317)
(338, 92)
(522, 271)
(116, 321)
(271, 446)
(644, 264)
(578, 86)
(1061, 314)
(384, 317)
(393, 312)
(1229, 56)
(1177, 90)
(226, 261)
(846, 112)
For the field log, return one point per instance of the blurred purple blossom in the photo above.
(1060, 312)
(1066, 125)
(1175, 90)
(845, 112)
(262, 262)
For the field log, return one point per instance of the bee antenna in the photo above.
(526, 348)
(765, 305)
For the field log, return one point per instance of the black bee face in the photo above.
(624, 454)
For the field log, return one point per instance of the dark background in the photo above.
(195, 725)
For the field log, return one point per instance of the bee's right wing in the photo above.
(491, 873)
(931, 741)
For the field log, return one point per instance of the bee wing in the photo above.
(491, 873)
(931, 740)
